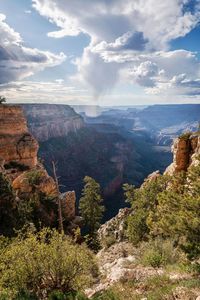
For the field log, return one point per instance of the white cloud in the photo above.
(130, 40)
(43, 91)
(18, 61)
(159, 21)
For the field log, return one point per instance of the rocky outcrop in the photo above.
(16, 143)
(121, 263)
(185, 150)
(69, 204)
(47, 121)
(19, 163)
(37, 179)
(113, 230)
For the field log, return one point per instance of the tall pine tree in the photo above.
(90, 205)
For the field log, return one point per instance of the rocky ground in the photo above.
(121, 271)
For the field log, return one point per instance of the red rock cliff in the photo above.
(185, 152)
(16, 143)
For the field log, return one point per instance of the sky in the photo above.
(105, 52)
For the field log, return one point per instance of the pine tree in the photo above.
(90, 205)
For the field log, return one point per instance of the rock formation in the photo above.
(47, 121)
(16, 143)
(24, 183)
(19, 162)
(69, 204)
(185, 150)
(113, 230)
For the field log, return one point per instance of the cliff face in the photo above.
(185, 151)
(47, 121)
(16, 143)
(19, 163)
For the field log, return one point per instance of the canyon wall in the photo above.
(46, 121)
(19, 161)
(16, 143)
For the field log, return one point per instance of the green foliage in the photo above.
(178, 214)
(152, 258)
(7, 206)
(108, 241)
(143, 201)
(167, 207)
(160, 252)
(90, 205)
(34, 177)
(58, 295)
(36, 264)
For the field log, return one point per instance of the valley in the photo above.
(118, 146)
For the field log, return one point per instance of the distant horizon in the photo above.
(98, 105)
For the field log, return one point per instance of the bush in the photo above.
(34, 177)
(37, 264)
(152, 258)
(159, 253)
(108, 241)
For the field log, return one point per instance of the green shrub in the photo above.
(108, 241)
(152, 258)
(159, 253)
(33, 177)
(37, 264)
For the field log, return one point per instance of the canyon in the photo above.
(115, 147)
(112, 145)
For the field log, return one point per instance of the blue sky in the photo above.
(107, 52)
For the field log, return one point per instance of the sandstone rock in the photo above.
(185, 151)
(16, 143)
(114, 228)
(24, 183)
(151, 177)
(69, 204)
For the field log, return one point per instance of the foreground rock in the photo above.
(119, 263)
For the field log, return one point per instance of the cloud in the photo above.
(18, 61)
(99, 75)
(42, 91)
(130, 40)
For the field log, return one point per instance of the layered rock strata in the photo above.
(46, 121)
(16, 143)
